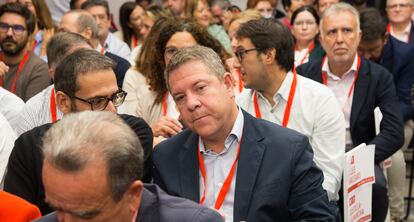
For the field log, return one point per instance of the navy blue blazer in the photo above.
(157, 206)
(398, 58)
(374, 87)
(120, 68)
(276, 179)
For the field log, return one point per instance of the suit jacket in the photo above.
(24, 170)
(398, 58)
(157, 206)
(120, 68)
(15, 209)
(276, 176)
(374, 87)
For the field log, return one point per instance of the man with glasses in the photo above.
(21, 72)
(277, 94)
(84, 81)
(360, 86)
(400, 24)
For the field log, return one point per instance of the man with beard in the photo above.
(397, 57)
(21, 72)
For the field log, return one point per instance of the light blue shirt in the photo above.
(218, 167)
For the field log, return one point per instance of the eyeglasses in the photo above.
(17, 29)
(393, 7)
(307, 22)
(100, 103)
(241, 52)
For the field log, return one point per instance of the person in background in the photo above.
(199, 11)
(148, 96)
(42, 108)
(263, 6)
(92, 171)
(131, 18)
(400, 25)
(360, 87)
(84, 81)
(305, 29)
(290, 6)
(21, 71)
(219, 11)
(81, 22)
(233, 63)
(176, 6)
(397, 57)
(322, 5)
(99, 9)
(44, 28)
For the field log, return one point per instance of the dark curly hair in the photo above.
(155, 75)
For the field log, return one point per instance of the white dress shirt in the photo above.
(217, 168)
(7, 138)
(314, 113)
(10, 106)
(301, 56)
(117, 47)
(402, 36)
(36, 112)
(340, 87)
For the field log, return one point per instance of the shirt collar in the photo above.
(284, 88)
(235, 134)
(326, 69)
(39, 36)
(108, 40)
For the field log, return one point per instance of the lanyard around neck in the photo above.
(19, 69)
(289, 102)
(227, 182)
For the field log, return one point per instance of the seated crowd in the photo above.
(197, 110)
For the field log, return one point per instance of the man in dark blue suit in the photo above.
(398, 58)
(246, 168)
(360, 86)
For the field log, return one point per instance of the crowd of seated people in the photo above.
(203, 110)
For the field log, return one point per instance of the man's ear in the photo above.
(63, 102)
(134, 195)
(269, 56)
(87, 33)
(229, 83)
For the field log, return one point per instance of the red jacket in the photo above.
(15, 209)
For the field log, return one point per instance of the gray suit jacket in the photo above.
(157, 206)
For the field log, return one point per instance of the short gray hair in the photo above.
(81, 138)
(85, 20)
(61, 44)
(337, 8)
(196, 53)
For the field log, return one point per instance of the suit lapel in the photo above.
(189, 169)
(251, 154)
(360, 92)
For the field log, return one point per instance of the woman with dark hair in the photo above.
(305, 22)
(44, 29)
(148, 96)
(290, 6)
(131, 16)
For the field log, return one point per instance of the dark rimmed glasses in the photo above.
(17, 29)
(100, 103)
(241, 52)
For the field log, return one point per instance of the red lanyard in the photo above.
(134, 41)
(325, 79)
(240, 79)
(19, 69)
(289, 102)
(34, 45)
(53, 105)
(227, 182)
(311, 46)
(164, 105)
